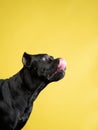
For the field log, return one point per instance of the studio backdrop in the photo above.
(62, 28)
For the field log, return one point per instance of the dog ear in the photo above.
(26, 59)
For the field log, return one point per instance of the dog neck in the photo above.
(31, 82)
(34, 85)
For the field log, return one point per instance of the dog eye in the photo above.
(48, 59)
(44, 59)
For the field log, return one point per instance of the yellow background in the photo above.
(62, 28)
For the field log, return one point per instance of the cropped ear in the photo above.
(26, 59)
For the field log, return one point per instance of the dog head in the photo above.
(45, 66)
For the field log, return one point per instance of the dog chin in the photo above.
(57, 75)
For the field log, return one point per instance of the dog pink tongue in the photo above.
(62, 64)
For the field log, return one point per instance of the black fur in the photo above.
(18, 93)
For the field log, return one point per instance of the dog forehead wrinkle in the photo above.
(39, 56)
(43, 57)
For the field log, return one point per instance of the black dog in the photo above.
(18, 93)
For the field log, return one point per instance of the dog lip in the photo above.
(59, 71)
(62, 64)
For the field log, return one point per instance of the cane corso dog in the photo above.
(18, 93)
